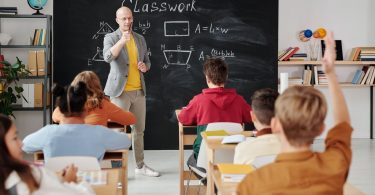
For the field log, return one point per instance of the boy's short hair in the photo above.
(301, 111)
(216, 70)
(263, 104)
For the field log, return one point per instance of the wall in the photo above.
(351, 22)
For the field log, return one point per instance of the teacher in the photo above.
(126, 51)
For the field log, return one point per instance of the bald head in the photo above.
(124, 19)
(123, 10)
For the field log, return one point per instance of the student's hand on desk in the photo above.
(69, 173)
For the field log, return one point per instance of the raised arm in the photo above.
(340, 109)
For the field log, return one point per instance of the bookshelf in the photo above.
(299, 66)
(46, 79)
(302, 63)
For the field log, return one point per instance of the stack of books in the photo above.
(285, 55)
(298, 57)
(322, 78)
(234, 172)
(8, 10)
(362, 54)
(367, 54)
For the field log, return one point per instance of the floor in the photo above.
(362, 173)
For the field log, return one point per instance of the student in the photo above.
(299, 118)
(18, 177)
(98, 107)
(214, 104)
(72, 136)
(266, 143)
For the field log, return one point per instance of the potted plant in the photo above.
(10, 90)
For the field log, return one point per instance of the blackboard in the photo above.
(180, 34)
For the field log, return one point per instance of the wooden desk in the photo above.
(211, 146)
(229, 188)
(111, 187)
(115, 155)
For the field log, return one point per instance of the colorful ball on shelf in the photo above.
(308, 33)
(303, 37)
(322, 32)
(316, 34)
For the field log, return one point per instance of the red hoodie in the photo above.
(215, 105)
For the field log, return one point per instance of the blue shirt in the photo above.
(75, 140)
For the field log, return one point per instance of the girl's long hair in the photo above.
(8, 164)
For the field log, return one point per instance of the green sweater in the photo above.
(198, 140)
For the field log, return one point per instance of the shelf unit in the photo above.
(345, 84)
(47, 78)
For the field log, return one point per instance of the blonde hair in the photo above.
(301, 111)
(94, 89)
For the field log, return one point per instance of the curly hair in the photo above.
(94, 89)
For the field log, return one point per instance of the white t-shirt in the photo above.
(247, 151)
(49, 184)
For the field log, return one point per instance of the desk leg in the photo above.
(210, 159)
(124, 173)
(181, 157)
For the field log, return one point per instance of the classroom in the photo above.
(135, 75)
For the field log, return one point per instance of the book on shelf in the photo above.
(39, 37)
(283, 52)
(289, 54)
(356, 76)
(367, 72)
(339, 55)
(93, 177)
(8, 10)
(234, 172)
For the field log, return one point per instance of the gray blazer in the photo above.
(118, 74)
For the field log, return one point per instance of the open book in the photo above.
(233, 172)
(93, 177)
(233, 139)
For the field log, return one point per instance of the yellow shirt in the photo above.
(134, 77)
(305, 172)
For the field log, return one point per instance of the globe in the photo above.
(37, 5)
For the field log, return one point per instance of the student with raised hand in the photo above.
(214, 104)
(72, 137)
(265, 143)
(98, 107)
(299, 118)
(19, 177)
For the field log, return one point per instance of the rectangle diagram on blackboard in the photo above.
(177, 57)
(176, 28)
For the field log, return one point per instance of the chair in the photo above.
(84, 163)
(220, 156)
(260, 161)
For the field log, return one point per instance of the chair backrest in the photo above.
(84, 163)
(260, 161)
(221, 156)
